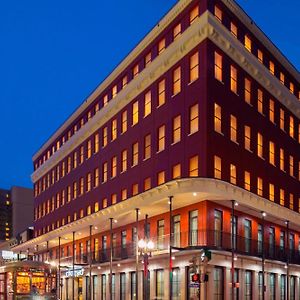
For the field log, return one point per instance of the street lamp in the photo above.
(145, 248)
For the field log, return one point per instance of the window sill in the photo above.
(175, 143)
(191, 82)
(190, 134)
(174, 95)
(157, 152)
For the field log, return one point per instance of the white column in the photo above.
(277, 286)
(255, 289)
(183, 284)
(117, 286)
(227, 285)
(128, 286)
(166, 283)
(242, 283)
(297, 295)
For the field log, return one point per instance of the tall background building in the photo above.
(191, 143)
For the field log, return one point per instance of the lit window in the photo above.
(147, 184)
(113, 198)
(176, 81)
(88, 210)
(148, 59)
(271, 67)
(135, 112)
(271, 111)
(176, 171)
(194, 14)
(281, 119)
(74, 190)
(272, 153)
(260, 56)
(218, 13)
(194, 119)
(161, 138)
(292, 88)
(217, 118)
(161, 92)
(96, 177)
(97, 107)
(281, 193)
(135, 154)
(124, 81)
(218, 66)
(282, 168)
(89, 182)
(247, 182)
(248, 91)
(114, 167)
(135, 189)
(147, 104)
(234, 29)
(291, 127)
(271, 192)
(259, 145)
(114, 129)
(281, 77)
(124, 121)
(161, 178)
(193, 166)
(233, 79)
(177, 31)
(105, 100)
(135, 70)
(96, 141)
(259, 186)
(81, 189)
(233, 128)
(291, 163)
(147, 148)
(114, 91)
(104, 172)
(124, 161)
(176, 130)
(291, 201)
(104, 136)
(248, 138)
(217, 167)
(299, 170)
(194, 67)
(104, 203)
(248, 43)
(89, 149)
(68, 167)
(232, 174)
(124, 194)
(161, 46)
(260, 101)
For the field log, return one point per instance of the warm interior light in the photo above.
(150, 245)
(236, 203)
(141, 244)
(194, 194)
(115, 221)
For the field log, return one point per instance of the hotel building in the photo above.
(199, 129)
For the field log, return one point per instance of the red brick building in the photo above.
(204, 110)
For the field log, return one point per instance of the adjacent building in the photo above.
(199, 129)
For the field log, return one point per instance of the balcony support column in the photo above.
(58, 269)
(232, 248)
(137, 211)
(111, 258)
(263, 256)
(90, 263)
(288, 260)
(170, 248)
(73, 266)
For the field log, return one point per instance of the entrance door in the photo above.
(80, 283)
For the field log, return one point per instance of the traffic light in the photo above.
(196, 277)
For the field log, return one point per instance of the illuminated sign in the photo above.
(77, 273)
(8, 255)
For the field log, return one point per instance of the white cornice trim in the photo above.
(154, 202)
(205, 27)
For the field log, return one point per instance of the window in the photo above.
(234, 29)
(160, 284)
(247, 234)
(218, 13)
(161, 138)
(260, 101)
(148, 59)
(282, 119)
(282, 168)
(291, 127)
(260, 56)
(89, 182)
(161, 92)
(248, 138)
(272, 153)
(259, 145)
(248, 285)
(114, 91)
(161, 178)
(104, 172)
(218, 118)
(194, 14)
(103, 286)
(271, 192)
(104, 136)
(135, 112)
(271, 67)
(281, 199)
(248, 91)
(271, 111)
(147, 184)
(194, 119)
(176, 290)
(114, 199)
(292, 89)
(132, 286)
(281, 78)
(114, 129)
(147, 146)
(282, 287)
(124, 194)
(248, 43)
(259, 186)
(124, 121)
(124, 81)
(124, 161)
(81, 189)
(161, 45)
(122, 286)
(104, 203)
(194, 67)
(96, 141)
(193, 166)
(193, 228)
(233, 128)
(176, 171)
(218, 288)
(233, 79)
(232, 174)
(114, 167)
(177, 31)
(218, 66)
(247, 182)
(147, 104)
(176, 136)
(96, 177)
(176, 81)
(135, 70)
(291, 164)
(135, 154)
(105, 100)
(217, 167)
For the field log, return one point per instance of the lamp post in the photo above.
(58, 275)
(233, 204)
(263, 215)
(73, 266)
(137, 211)
(111, 259)
(287, 223)
(170, 248)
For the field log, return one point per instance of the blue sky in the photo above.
(54, 53)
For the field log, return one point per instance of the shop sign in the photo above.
(77, 272)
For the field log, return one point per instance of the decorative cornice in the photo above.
(154, 202)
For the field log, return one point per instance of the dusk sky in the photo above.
(54, 53)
